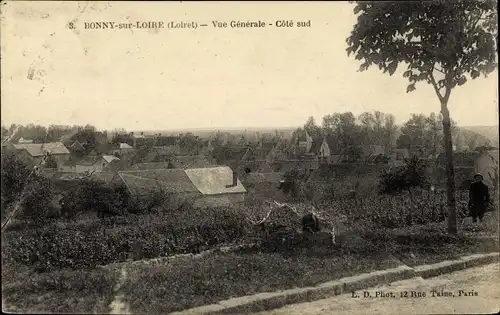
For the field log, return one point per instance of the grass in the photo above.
(62, 291)
(187, 283)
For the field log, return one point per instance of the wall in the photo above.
(96, 167)
(219, 200)
(67, 168)
(60, 158)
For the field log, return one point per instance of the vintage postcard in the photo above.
(250, 157)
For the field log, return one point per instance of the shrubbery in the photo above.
(404, 178)
(141, 237)
(13, 176)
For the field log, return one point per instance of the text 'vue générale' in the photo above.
(97, 25)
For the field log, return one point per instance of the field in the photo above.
(45, 261)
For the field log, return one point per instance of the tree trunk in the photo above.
(450, 171)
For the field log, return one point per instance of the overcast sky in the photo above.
(172, 79)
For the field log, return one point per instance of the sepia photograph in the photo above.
(239, 157)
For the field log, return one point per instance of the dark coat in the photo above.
(479, 194)
(479, 199)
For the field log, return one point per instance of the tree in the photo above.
(343, 127)
(37, 205)
(405, 178)
(314, 130)
(421, 135)
(440, 42)
(14, 175)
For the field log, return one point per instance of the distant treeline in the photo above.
(420, 134)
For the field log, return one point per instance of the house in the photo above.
(213, 186)
(89, 164)
(76, 147)
(160, 154)
(487, 164)
(469, 163)
(178, 162)
(34, 153)
(120, 149)
(300, 164)
(141, 140)
(327, 149)
(152, 166)
(219, 186)
(192, 161)
(67, 138)
(261, 154)
(304, 142)
(231, 155)
(24, 141)
(263, 186)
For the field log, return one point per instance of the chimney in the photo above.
(235, 180)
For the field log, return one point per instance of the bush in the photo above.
(138, 238)
(404, 178)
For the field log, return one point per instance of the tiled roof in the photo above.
(107, 177)
(264, 168)
(125, 146)
(110, 158)
(191, 161)
(332, 144)
(77, 145)
(167, 149)
(316, 145)
(39, 149)
(260, 154)
(171, 180)
(214, 180)
(151, 166)
(228, 153)
(87, 160)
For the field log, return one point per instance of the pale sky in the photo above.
(185, 78)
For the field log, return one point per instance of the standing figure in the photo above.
(479, 198)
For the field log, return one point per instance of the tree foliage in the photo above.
(14, 175)
(404, 178)
(37, 201)
(454, 38)
(440, 42)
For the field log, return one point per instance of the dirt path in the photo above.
(118, 306)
